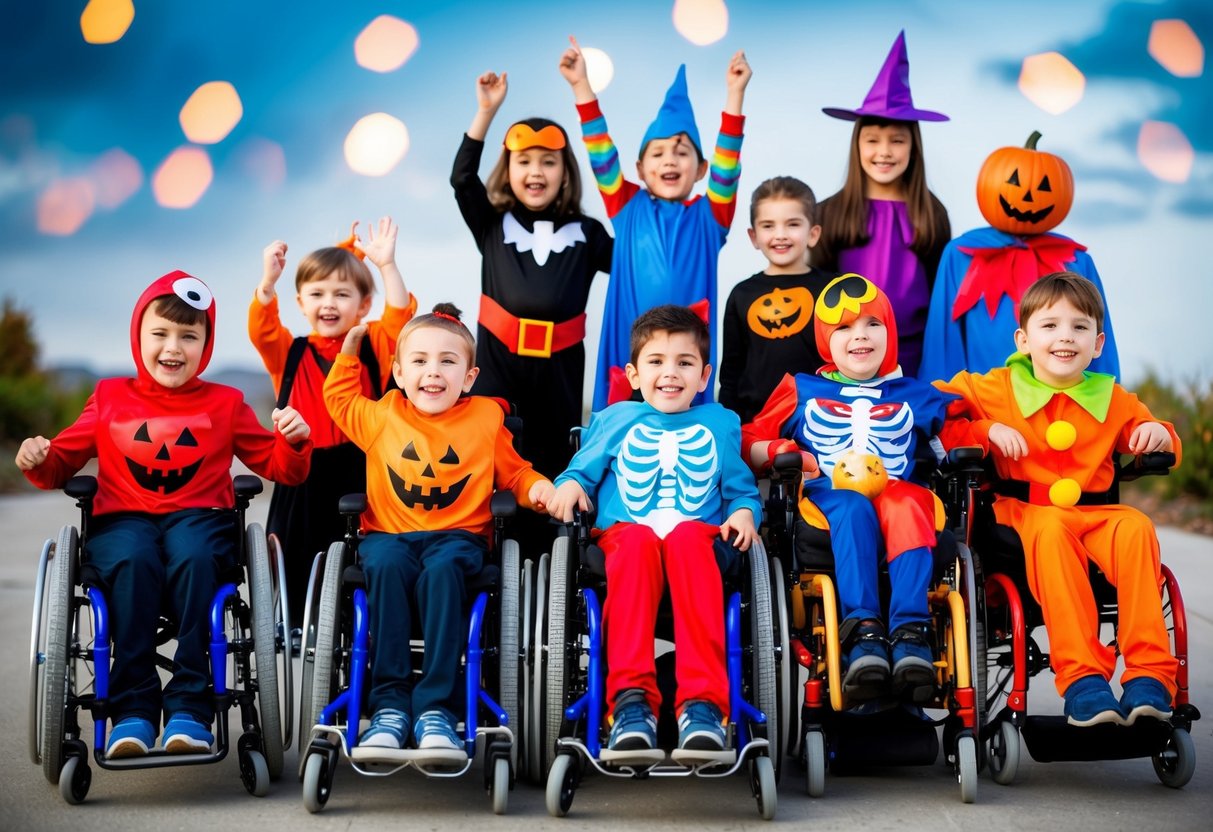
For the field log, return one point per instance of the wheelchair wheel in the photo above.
(75, 779)
(286, 663)
(762, 776)
(966, 768)
(561, 786)
(255, 773)
(60, 613)
(522, 731)
(762, 635)
(536, 771)
(1176, 762)
(500, 790)
(507, 648)
(1002, 753)
(37, 653)
(815, 763)
(265, 628)
(556, 660)
(786, 671)
(307, 649)
(316, 782)
(320, 670)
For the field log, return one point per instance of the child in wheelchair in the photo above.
(669, 482)
(164, 443)
(434, 457)
(856, 425)
(1052, 429)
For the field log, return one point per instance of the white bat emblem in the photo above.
(543, 240)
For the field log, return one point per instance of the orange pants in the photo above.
(1058, 543)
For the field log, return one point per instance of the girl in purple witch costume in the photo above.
(884, 223)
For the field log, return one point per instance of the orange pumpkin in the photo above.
(1022, 190)
(865, 473)
(163, 453)
(781, 313)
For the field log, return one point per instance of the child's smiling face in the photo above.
(536, 176)
(858, 348)
(669, 371)
(171, 351)
(333, 305)
(1062, 341)
(884, 154)
(670, 167)
(784, 235)
(433, 367)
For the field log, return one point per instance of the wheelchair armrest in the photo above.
(247, 486)
(503, 504)
(352, 504)
(575, 437)
(968, 459)
(786, 466)
(83, 487)
(1157, 464)
(581, 526)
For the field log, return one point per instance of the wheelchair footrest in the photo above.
(898, 736)
(636, 757)
(420, 758)
(1052, 739)
(696, 758)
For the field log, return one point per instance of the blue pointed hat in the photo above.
(675, 115)
(890, 95)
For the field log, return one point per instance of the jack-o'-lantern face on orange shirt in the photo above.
(427, 483)
(163, 453)
(781, 313)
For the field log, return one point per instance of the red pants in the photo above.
(638, 565)
(1057, 545)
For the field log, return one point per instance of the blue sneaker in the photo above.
(1145, 697)
(913, 662)
(633, 726)
(389, 729)
(435, 731)
(866, 660)
(184, 734)
(1089, 701)
(131, 737)
(700, 727)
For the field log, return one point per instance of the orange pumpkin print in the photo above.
(426, 484)
(163, 453)
(781, 313)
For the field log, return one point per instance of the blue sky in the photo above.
(64, 102)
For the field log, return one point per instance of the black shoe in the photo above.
(866, 658)
(913, 662)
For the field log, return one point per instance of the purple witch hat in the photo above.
(890, 94)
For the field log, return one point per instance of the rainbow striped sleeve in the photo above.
(604, 159)
(725, 171)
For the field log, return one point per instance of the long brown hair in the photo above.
(848, 216)
(568, 199)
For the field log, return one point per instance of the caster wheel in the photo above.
(316, 784)
(815, 760)
(255, 773)
(561, 786)
(500, 790)
(74, 780)
(763, 775)
(1174, 765)
(1002, 754)
(966, 768)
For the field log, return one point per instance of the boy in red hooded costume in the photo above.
(164, 443)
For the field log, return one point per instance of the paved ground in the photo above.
(1104, 796)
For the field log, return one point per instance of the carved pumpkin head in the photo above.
(163, 453)
(426, 483)
(781, 313)
(1022, 190)
(861, 472)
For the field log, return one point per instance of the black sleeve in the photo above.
(930, 263)
(824, 255)
(602, 246)
(470, 194)
(734, 345)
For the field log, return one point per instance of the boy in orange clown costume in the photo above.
(1055, 427)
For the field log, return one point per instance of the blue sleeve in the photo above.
(737, 486)
(1109, 360)
(589, 465)
(943, 349)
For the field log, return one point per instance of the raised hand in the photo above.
(572, 67)
(380, 245)
(273, 261)
(491, 90)
(353, 340)
(739, 72)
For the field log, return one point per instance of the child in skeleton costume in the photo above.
(164, 443)
(540, 254)
(667, 242)
(669, 483)
(860, 402)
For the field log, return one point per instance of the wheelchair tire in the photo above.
(315, 782)
(60, 613)
(37, 653)
(966, 768)
(763, 775)
(254, 773)
(536, 771)
(556, 655)
(286, 661)
(265, 652)
(307, 649)
(787, 671)
(815, 763)
(561, 786)
(762, 637)
(75, 779)
(322, 684)
(1002, 753)
(1176, 762)
(523, 730)
(499, 792)
(507, 648)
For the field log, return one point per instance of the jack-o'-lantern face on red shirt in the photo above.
(163, 453)
(427, 483)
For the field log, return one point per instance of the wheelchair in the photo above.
(335, 680)
(70, 657)
(1009, 656)
(836, 733)
(566, 697)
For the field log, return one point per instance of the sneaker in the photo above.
(131, 737)
(389, 728)
(701, 727)
(913, 662)
(633, 726)
(435, 731)
(866, 660)
(1089, 701)
(1145, 697)
(184, 734)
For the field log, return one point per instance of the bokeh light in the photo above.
(116, 176)
(599, 68)
(211, 112)
(1165, 151)
(183, 177)
(385, 44)
(376, 144)
(1051, 82)
(106, 21)
(1175, 46)
(65, 206)
(701, 21)
(264, 162)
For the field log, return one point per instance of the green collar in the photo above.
(836, 375)
(1093, 394)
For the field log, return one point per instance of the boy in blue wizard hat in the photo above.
(666, 242)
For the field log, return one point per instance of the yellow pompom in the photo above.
(1065, 492)
(1060, 435)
